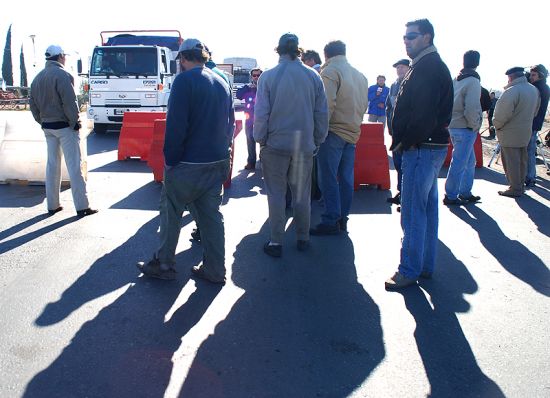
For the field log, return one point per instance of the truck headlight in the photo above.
(96, 95)
(91, 111)
(150, 95)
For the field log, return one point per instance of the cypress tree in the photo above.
(7, 67)
(23, 69)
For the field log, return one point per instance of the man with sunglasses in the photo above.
(247, 93)
(422, 113)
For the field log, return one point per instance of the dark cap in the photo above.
(515, 69)
(541, 70)
(403, 61)
(288, 37)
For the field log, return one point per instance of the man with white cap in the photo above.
(53, 104)
(199, 132)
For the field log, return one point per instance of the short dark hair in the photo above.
(289, 48)
(334, 48)
(195, 55)
(55, 57)
(380, 76)
(310, 54)
(255, 70)
(424, 27)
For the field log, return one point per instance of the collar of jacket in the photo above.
(286, 58)
(423, 53)
(467, 72)
(334, 60)
(54, 63)
(539, 84)
(516, 81)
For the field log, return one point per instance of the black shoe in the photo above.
(273, 250)
(325, 229)
(343, 224)
(250, 166)
(302, 245)
(198, 271)
(85, 212)
(452, 202)
(52, 212)
(396, 200)
(152, 269)
(196, 235)
(470, 199)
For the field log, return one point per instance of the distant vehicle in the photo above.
(131, 71)
(241, 75)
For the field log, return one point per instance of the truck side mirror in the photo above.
(79, 66)
(173, 67)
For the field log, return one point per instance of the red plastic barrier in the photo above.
(136, 134)
(477, 149)
(371, 158)
(156, 153)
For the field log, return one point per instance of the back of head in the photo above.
(424, 27)
(335, 48)
(193, 50)
(310, 54)
(53, 52)
(288, 45)
(471, 59)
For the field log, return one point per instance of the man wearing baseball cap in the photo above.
(53, 104)
(537, 77)
(513, 120)
(199, 132)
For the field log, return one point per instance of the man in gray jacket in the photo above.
(463, 129)
(53, 104)
(290, 123)
(513, 119)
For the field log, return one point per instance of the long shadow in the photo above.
(511, 254)
(20, 241)
(245, 184)
(146, 197)
(21, 195)
(303, 328)
(450, 364)
(133, 165)
(537, 212)
(21, 226)
(488, 174)
(99, 143)
(127, 349)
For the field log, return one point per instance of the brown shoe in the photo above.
(509, 193)
(399, 281)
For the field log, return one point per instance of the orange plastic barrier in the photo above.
(371, 158)
(477, 149)
(136, 134)
(156, 154)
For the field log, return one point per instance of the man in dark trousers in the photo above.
(247, 93)
(421, 116)
(199, 132)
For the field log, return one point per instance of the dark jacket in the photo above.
(424, 104)
(247, 93)
(544, 92)
(200, 119)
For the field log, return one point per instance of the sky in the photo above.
(505, 36)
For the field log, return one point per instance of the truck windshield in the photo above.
(124, 61)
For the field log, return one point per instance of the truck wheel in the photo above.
(100, 128)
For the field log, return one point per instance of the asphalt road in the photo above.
(78, 320)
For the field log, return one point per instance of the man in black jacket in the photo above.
(422, 113)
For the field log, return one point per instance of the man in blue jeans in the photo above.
(421, 116)
(464, 128)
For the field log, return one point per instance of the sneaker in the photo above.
(325, 229)
(153, 269)
(273, 250)
(302, 245)
(52, 212)
(509, 193)
(399, 281)
(396, 200)
(196, 235)
(198, 271)
(451, 202)
(343, 224)
(85, 212)
(470, 199)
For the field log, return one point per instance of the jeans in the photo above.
(250, 143)
(460, 177)
(68, 140)
(419, 210)
(397, 159)
(282, 170)
(532, 159)
(335, 160)
(197, 187)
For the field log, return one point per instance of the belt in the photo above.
(425, 145)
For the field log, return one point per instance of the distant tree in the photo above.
(7, 66)
(23, 69)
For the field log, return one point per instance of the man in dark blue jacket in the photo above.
(199, 132)
(247, 93)
(422, 113)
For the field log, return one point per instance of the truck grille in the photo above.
(122, 102)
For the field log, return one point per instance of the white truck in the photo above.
(131, 71)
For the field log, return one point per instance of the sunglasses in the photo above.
(254, 75)
(412, 35)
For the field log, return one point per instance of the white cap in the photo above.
(53, 51)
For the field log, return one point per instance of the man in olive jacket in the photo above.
(513, 120)
(421, 116)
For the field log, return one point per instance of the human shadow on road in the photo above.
(304, 326)
(146, 197)
(488, 174)
(245, 185)
(449, 362)
(21, 240)
(21, 226)
(132, 165)
(99, 143)
(511, 254)
(537, 212)
(127, 349)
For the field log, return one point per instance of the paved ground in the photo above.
(77, 320)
